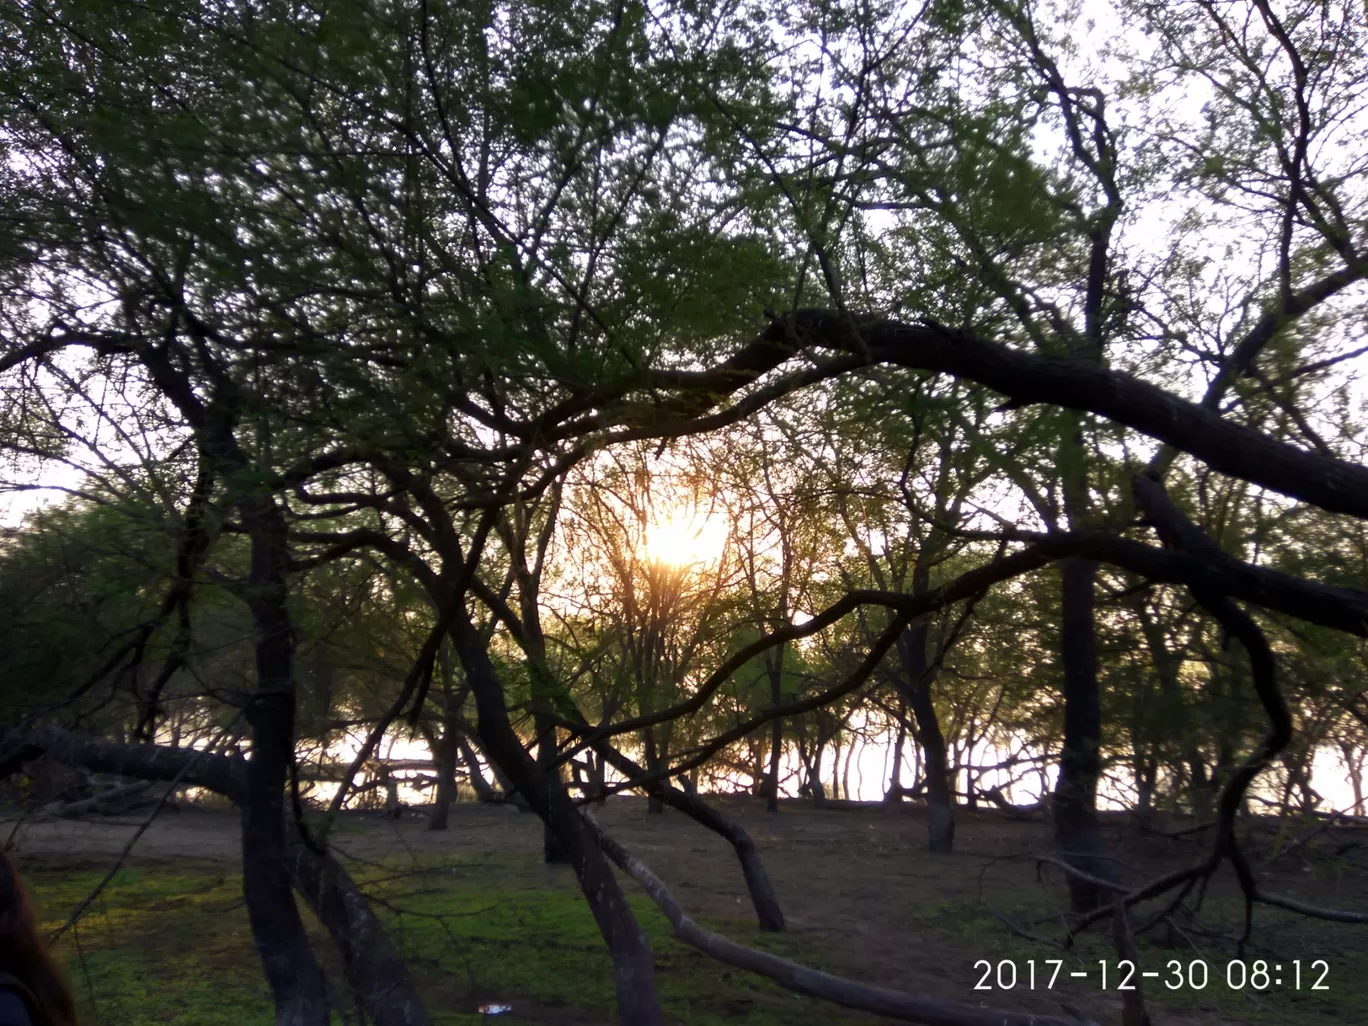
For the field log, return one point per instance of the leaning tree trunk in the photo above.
(374, 969)
(484, 791)
(758, 886)
(376, 972)
(295, 978)
(633, 966)
(1077, 831)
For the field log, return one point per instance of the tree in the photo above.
(379, 278)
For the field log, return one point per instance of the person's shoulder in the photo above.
(13, 1010)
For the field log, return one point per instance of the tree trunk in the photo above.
(814, 775)
(553, 853)
(1146, 779)
(917, 679)
(845, 775)
(633, 966)
(758, 886)
(895, 788)
(484, 792)
(295, 978)
(508, 789)
(776, 675)
(445, 756)
(1353, 764)
(446, 752)
(374, 969)
(835, 769)
(376, 972)
(1077, 831)
(1177, 733)
(765, 902)
(655, 800)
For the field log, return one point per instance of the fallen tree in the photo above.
(112, 800)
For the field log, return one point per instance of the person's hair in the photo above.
(24, 953)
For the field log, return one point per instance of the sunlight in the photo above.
(686, 537)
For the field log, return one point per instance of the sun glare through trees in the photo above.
(684, 537)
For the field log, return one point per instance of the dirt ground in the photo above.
(858, 881)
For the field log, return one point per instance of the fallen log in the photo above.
(113, 799)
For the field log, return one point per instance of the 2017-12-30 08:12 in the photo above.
(1258, 974)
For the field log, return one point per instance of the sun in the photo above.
(684, 537)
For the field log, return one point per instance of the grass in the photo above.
(161, 944)
(169, 943)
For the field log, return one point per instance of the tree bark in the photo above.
(376, 972)
(655, 798)
(758, 886)
(553, 851)
(895, 789)
(1077, 831)
(813, 765)
(295, 978)
(776, 675)
(444, 754)
(1146, 781)
(917, 679)
(1338, 486)
(446, 751)
(902, 1005)
(483, 790)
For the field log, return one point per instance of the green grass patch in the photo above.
(169, 943)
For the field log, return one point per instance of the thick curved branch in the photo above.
(909, 606)
(1331, 484)
(1178, 532)
(795, 707)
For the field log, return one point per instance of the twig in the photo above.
(1079, 874)
(1024, 934)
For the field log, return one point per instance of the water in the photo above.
(1032, 777)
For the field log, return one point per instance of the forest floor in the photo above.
(482, 919)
